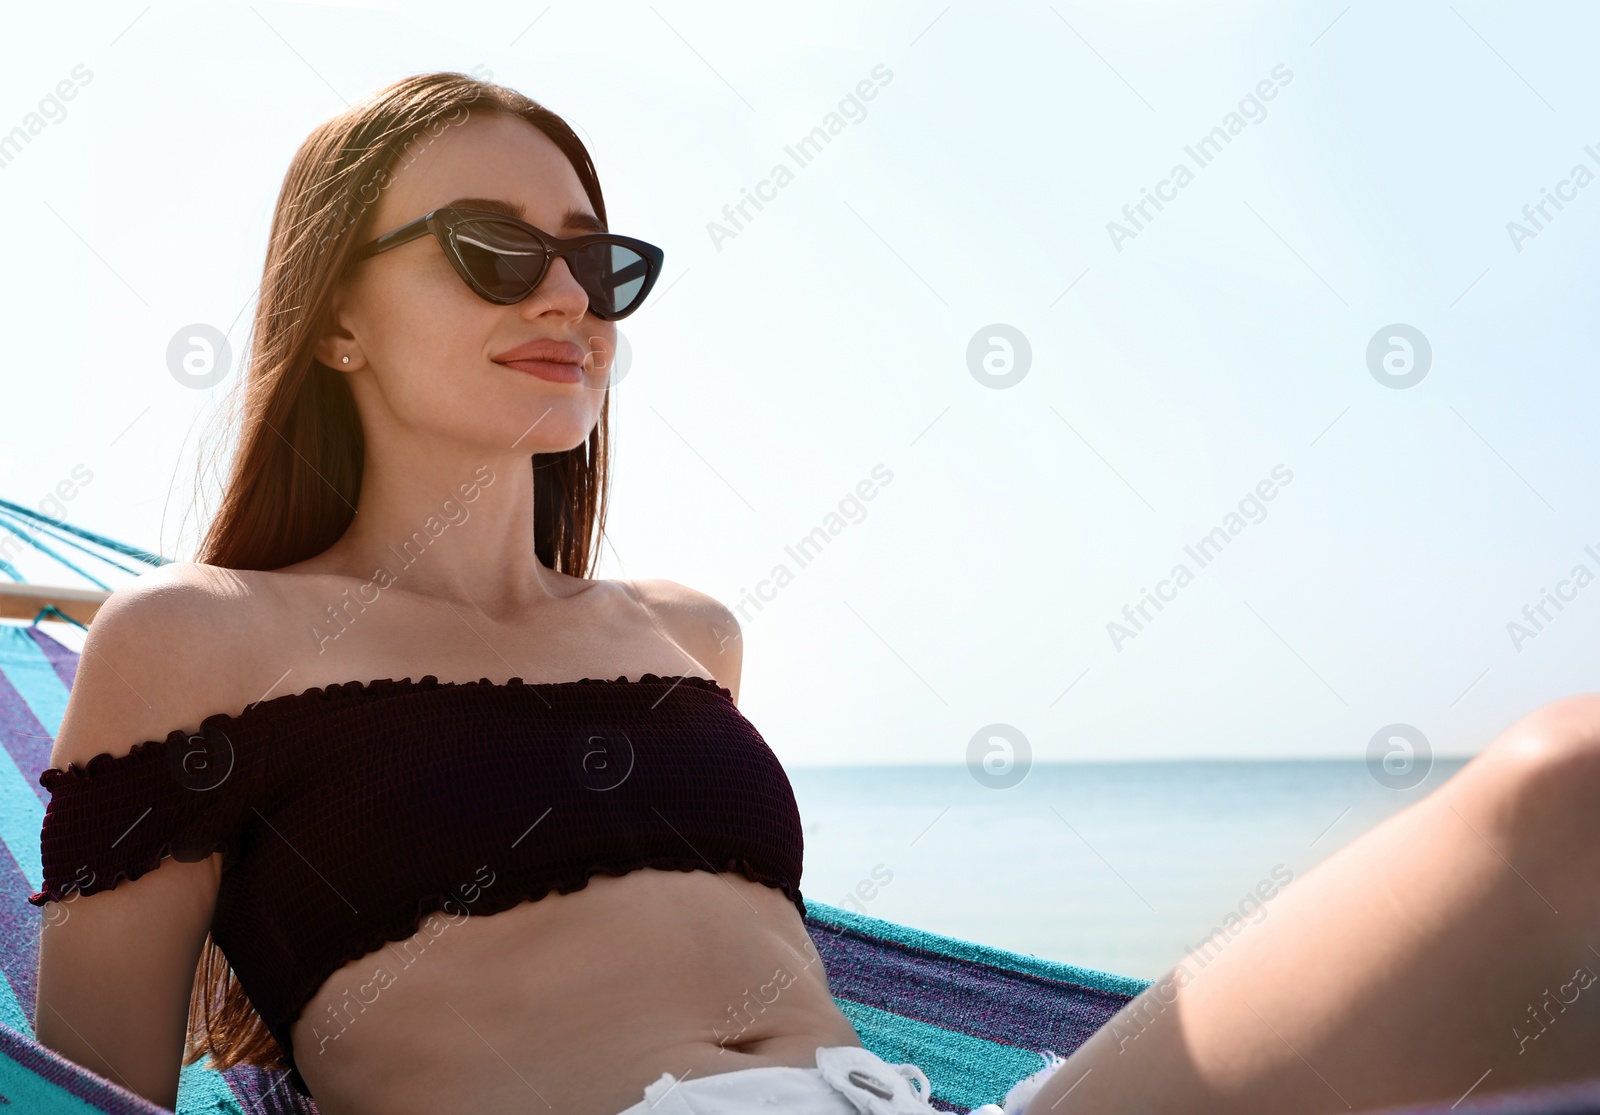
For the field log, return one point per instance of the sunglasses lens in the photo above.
(613, 275)
(504, 260)
(508, 263)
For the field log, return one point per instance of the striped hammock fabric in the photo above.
(975, 1019)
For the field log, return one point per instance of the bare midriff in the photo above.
(574, 1001)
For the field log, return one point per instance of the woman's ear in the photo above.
(336, 345)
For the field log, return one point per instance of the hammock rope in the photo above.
(33, 529)
(51, 530)
(98, 539)
(40, 546)
(50, 611)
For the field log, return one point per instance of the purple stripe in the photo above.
(19, 935)
(99, 1093)
(963, 996)
(26, 741)
(62, 660)
(266, 1092)
(1577, 1098)
(19, 920)
(23, 737)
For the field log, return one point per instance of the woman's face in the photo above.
(422, 345)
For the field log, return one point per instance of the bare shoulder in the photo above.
(701, 625)
(116, 969)
(155, 659)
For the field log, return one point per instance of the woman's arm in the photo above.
(117, 967)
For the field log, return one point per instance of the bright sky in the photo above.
(1207, 350)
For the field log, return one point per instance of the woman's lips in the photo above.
(547, 358)
(548, 369)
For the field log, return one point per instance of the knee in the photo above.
(1542, 775)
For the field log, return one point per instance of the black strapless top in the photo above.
(348, 814)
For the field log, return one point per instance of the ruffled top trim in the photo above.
(275, 709)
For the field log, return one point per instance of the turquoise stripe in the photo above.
(982, 954)
(962, 1069)
(21, 811)
(28, 1091)
(203, 1091)
(11, 1012)
(26, 667)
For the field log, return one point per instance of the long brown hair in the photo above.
(295, 477)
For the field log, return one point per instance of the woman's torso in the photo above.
(578, 1000)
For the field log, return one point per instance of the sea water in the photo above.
(1116, 866)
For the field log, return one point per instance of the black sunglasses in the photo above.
(504, 260)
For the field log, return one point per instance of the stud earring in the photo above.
(346, 359)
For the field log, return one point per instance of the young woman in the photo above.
(441, 715)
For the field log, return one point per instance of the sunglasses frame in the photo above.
(442, 222)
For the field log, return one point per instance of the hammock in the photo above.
(975, 1019)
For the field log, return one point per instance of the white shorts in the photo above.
(848, 1080)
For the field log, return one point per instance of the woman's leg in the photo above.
(1450, 949)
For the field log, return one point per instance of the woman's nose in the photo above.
(558, 290)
